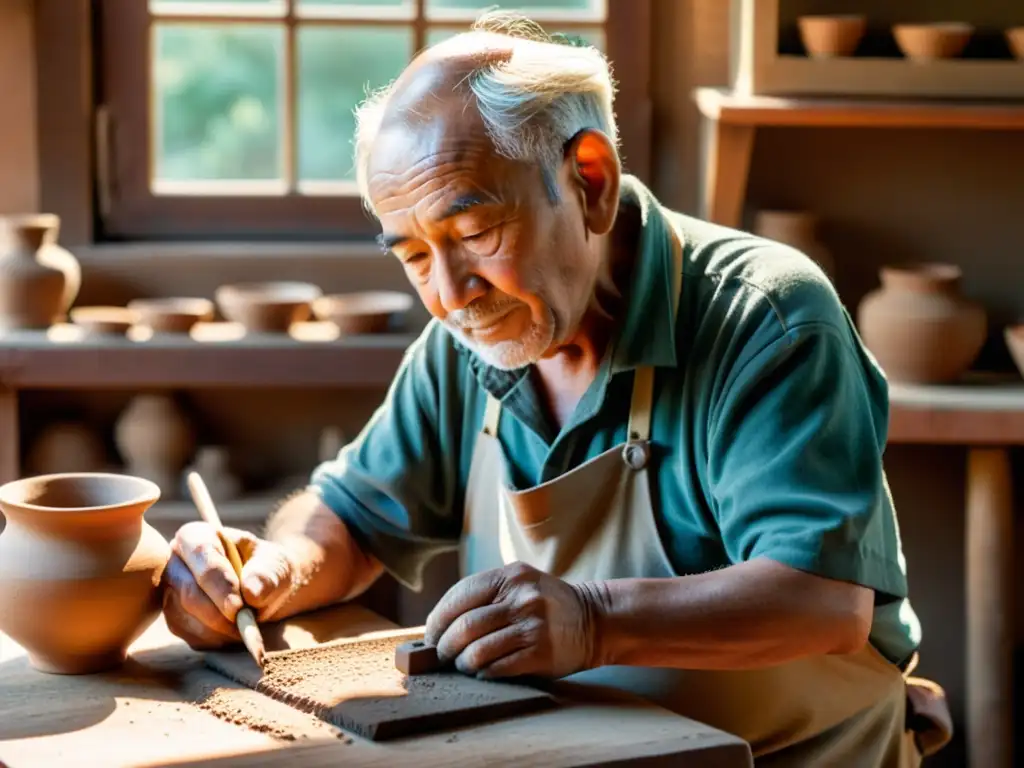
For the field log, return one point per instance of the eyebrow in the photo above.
(458, 206)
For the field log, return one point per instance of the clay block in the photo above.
(354, 684)
(417, 658)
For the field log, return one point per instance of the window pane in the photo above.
(539, 9)
(356, 9)
(594, 36)
(217, 101)
(337, 67)
(260, 8)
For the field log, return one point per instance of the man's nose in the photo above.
(457, 283)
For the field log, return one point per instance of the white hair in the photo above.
(531, 102)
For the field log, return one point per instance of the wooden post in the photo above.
(989, 566)
(727, 163)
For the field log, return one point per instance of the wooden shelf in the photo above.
(722, 105)
(983, 410)
(36, 360)
(732, 120)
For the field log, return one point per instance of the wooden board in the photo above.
(355, 684)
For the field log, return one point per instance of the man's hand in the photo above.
(202, 594)
(514, 621)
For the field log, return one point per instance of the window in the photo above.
(233, 118)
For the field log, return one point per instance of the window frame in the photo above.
(94, 167)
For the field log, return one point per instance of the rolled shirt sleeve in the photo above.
(396, 486)
(795, 460)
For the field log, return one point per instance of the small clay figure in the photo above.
(416, 658)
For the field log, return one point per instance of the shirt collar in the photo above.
(647, 333)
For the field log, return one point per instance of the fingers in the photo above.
(474, 591)
(491, 649)
(200, 549)
(470, 627)
(266, 579)
(189, 612)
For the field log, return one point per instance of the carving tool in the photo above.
(245, 619)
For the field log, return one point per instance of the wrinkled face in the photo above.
(509, 272)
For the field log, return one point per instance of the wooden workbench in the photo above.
(143, 715)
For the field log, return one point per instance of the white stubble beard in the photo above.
(512, 354)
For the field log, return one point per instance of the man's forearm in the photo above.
(328, 565)
(754, 614)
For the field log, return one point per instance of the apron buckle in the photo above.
(635, 455)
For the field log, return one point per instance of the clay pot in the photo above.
(797, 229)
(930, 42)
(66, 447)
(364, 312)
(80, 569)
(30, 291)
(267, 307)
(825, 37)
(52, 254)
(212, 463)
(156, 440)
(919, 327)
(103, 321)
(1013, 335)
(1015, 40)
(171, 316)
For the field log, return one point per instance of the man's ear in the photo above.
(596, 172)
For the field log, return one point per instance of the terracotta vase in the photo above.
(80, 569)
(30, 291)
(919, 327)
(66, 447)
(52, 254)
(156, 440)
(798, 229)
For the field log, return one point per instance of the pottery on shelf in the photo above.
(825, 37)
(1013, 336)
(798, 229)
(171, 315)
(362, 312)
(156, 440)
(66, 446)
(931, 42)
(52, 253)
(31, 291)
(267, 307)
(1015, 41)
(80, 569)
(919, 326)
(212, 463)
(102, 321)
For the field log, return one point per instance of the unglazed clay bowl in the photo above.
(1015, 39)
(80, 569)
(267, 307)
(365, 312)
(930, 42)
(102, 321)
(826, 37)
(172, 315)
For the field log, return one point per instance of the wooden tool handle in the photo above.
(245, 619)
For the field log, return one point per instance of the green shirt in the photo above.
(768, 427)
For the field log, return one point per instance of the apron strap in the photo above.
(640, 405)
(492, 414)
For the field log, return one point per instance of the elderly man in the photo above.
(656, 443)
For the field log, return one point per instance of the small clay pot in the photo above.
(1015, 40)
(30, 291)
(51, 253)
(826, 37)
(80, 569)
(66, 447)
(919, 327)
(213, 464)
(156, 440)
(174, 316)
(267, 307)
(931, 42)
(797, 229)
(103, 321)
(364, 312)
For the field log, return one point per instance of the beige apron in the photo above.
(597, 522)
